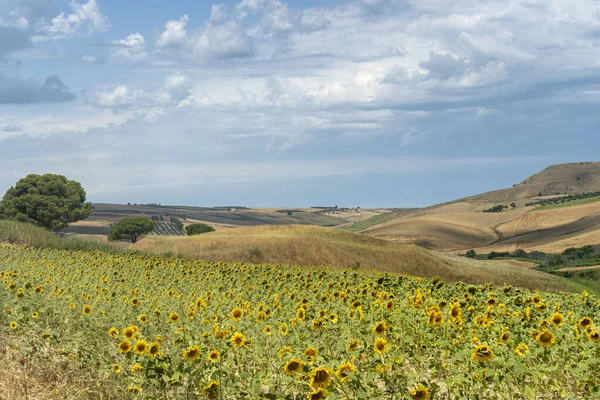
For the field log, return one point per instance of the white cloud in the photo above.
(132, 49)
(85, 19)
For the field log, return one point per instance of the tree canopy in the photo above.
(51, 201)
(130, 228)
(196, 229)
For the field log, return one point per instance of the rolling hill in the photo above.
(312, 245)
(462, 224)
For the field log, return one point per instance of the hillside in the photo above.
(462, 224)
(306, 245)
(555, 180)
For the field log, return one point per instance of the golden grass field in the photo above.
(308, 245)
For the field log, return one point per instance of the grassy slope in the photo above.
(568, 204)
(20, 233)
(301, 245)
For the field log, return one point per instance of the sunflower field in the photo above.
(171, 328)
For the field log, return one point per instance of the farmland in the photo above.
(152, 327)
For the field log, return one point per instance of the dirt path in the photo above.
(579, 268)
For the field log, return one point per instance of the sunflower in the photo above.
(136, 368)
(522, 350)
(34, 314)
(174, 317)
(134, 389)
(585, 322)
(344, 370)
(505, 336)
(380, 328)
(143, 318)
(318, 324)
(87, 309)
(125, 346)
(293, 366)
(352, 345)
(140, 347)
(267, 330)
(334, 318)
(283, 329)
(212, 389)
(557, 318)
(236, 314)
(135, 302)
(380, 345)
(113, 332)
(154, 349)
(13, 325)
(129, 332)
(482, 353)
(593, 335)
(455, 311)
(192, 353)
(238, 339)
(491, 301)
(318, 394)
(389, 305)
(545, 338)
(301, 314)
(116, 368)
(46, 335)
(311, 353)
(214, 356)
(420, 393)
(320, 377)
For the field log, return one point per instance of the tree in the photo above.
(196, 229)
(176, 222)
(51, 201)
(513, 205)
(471, 254)
(130, 228)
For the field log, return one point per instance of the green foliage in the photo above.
(497, 208)
(130, 228)
(33, 236)
(196, 229)
(471, 254)
(178, 224)
(154, 218)
(51, 201)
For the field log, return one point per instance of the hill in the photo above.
(463, 224)
(555, 180)
(309, 245)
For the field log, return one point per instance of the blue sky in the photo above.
(271, 103)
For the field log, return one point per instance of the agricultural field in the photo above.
(150, 327)
(167, 229)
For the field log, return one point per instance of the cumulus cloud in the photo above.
(14, 90)
(91, 59)
(85, 19)
(175, 90)
(217, 40)
(132, 49)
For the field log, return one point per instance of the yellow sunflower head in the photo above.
(125, 346)
(545, 338)
(420, 393)
(191, 353)
(238, 339)
(380, 328)
(140, 347)
(344, 370)
(236, 314)
(320, 377)
(293, 366)
(317, 394)
(380, 345)
(482, 353)
(154, 349)
(214, 356)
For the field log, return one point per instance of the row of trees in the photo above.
(500, 207)
(53, 202)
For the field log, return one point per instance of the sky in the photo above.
(370, 103)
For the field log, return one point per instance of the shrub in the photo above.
(130, 228)
(197, 229)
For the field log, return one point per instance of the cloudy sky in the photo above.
(298, 103)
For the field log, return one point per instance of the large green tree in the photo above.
(130, 228)
(49, 200)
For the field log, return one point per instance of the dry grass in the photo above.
(306, 245)
(43, 374)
